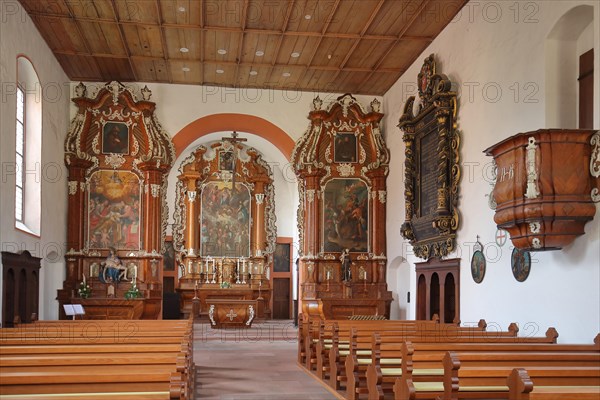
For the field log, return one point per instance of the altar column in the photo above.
(192, 205)
(378, 213)
(257, 246)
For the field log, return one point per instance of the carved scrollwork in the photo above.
(431, 186)
(73, 185)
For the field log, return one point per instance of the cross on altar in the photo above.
(234, 139)
(231, 315)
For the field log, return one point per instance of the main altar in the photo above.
(224, 232)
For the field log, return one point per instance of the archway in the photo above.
(233, 122)
(569, 38)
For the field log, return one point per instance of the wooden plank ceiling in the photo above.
(345, 46)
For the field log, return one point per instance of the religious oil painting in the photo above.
(226, 160)
(169, 256)
(345, 149)
(346, 215)
(115, 138)
(114, 210)
(282, 257)
(478, 265)
(225, 220)
(520, 264)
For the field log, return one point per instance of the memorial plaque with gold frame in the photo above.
(432, 169)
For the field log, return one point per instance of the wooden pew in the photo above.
(330, 338)
(387, 350)
(156, 363)
(496, 358)
(317, 331)
(522, 387)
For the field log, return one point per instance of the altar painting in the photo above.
(346, 215)
(225, 220)
(114, 210)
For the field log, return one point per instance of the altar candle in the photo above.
(134, 273)
(328, 275)
(206, 265)
(83, 279)
(238, 265)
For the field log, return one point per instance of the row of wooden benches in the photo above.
(139, 359)
(428, 360)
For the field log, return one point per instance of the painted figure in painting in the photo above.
(225, 220)
(114, 210)
(346, 262)
(114, 270)
(346, 215)
(115, 138)
(345, 147)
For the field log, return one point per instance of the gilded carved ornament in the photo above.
(431, 230)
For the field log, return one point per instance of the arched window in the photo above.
(28, 148)
(569, 103)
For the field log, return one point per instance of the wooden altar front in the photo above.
(119, 308)
(229, 313)
(342, 164)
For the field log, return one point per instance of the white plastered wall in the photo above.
(19, 36)
(496, 57)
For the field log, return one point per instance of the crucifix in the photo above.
(234, 139)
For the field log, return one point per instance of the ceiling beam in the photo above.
(284, 26)
(274, 32)
(163, 40)
(122, 35)
(414, 17)
(236, 73)
(357, 41)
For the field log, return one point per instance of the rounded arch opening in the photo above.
(449, 299)
(227, 122)
(570, 37)
(422, 300)
(434, 295)
(28, 146)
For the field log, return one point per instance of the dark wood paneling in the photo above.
(281, 298)
(586, 90)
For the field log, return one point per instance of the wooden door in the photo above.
(281, 298)
(282, 279)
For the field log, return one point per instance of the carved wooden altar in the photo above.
(224, 232)
(432, 166)
(118, 157)
(342, 164)
(224, 313)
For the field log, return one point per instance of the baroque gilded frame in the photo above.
(432, 232)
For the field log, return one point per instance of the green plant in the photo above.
(84, 290)
(133, 293)
(225, 285)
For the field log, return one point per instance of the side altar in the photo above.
(342, 163)
(224, 232)
(118, 158)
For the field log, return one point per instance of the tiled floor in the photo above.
(258, 364)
